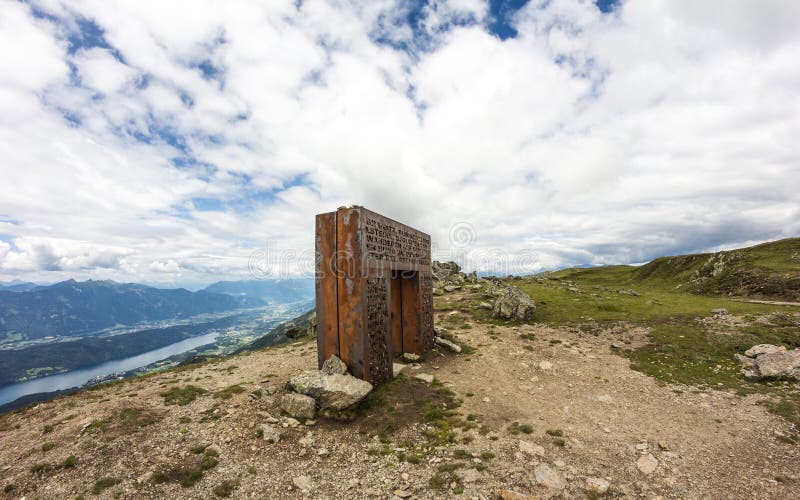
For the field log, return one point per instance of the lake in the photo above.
(77, 378)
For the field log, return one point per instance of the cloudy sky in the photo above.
(185, 142)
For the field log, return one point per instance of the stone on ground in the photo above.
(446, 343)
(596, 485)
(336, 392)
(334, 366)
(298, 405)
(425, 377)
(303, 482)
(548, 477)
(515, 305)
(531, 449)
(647, 464)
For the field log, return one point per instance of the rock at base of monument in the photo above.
(441, 341)
(335, 391)
(334, 366)
(298, 405)
(398, 369)
(514, 304)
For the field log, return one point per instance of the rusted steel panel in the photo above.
(327, 301)
(396, 312)
(378, 346)
(350, 290)
(411, 321)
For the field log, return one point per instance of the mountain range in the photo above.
(72, 308)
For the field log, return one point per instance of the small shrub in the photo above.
(41, 468)
(69, 462)
(181, 396)
(229, 392)
(47, 429)
(559, 442)
(555, 432)
(184, 420)
(225, 488)
(8, 488)
(103, 483)
(47, 447)
(487, 455)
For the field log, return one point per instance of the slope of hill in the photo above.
(294, 328)
(767, 271)
(270, 291)
(17, 286)
(539, 410)
(70, 307)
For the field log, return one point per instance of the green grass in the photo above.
(229, 392)
(103, 483)
(181, 396)
(680, 348)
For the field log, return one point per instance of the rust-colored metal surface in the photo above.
(374, 295)
(327, 311)
(396, 312)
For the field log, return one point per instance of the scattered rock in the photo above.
(485, 305)
(596, 485)
(446, 343)
(470, 475)
(451, 288)
(303, 482)
(402, 493)
(271, 434)
(548, 477)
(334, 366)
(719, 312)
(513, 495)
(531, 449)
(398, 368)
(647, 464)
(514, 304)
(298, 405)
(617, 344)
(425, 377)
(411, 357)
(545, 365)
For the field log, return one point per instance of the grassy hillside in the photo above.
(767, 271)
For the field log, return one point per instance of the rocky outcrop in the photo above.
(447, 277)
(514, 304)
(330, 388)
(770, 361)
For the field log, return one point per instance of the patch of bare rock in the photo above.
(770, 361)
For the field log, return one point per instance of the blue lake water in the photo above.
(77, 378)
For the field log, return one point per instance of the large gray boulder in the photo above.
(514, 304)
(331, 391)
(770, 361)
(779, 365)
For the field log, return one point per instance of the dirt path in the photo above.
(771, 302)
(703, 444)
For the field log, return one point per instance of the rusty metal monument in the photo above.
(373, 289)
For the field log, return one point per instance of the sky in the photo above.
(180, 143)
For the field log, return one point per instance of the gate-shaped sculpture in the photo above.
(374, 291)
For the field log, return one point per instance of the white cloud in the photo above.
(589, 138)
